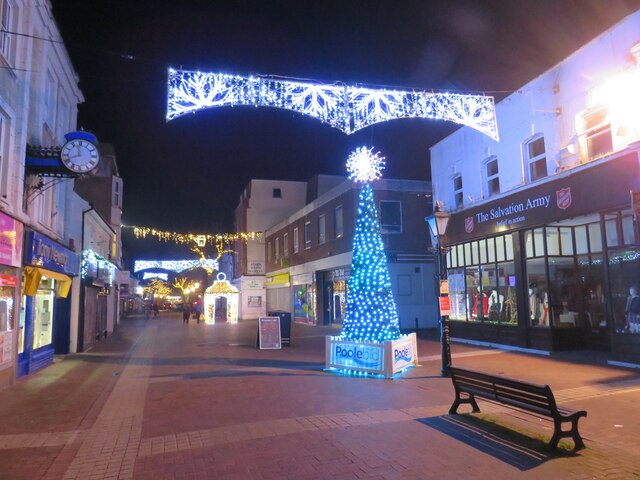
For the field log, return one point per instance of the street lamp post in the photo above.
(438, 222)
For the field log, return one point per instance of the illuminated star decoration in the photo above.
(364, 165)
(346, 107)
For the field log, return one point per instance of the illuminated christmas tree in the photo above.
(371, 310)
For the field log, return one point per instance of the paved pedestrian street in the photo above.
(163, 400)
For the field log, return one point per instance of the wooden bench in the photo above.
(529, 397)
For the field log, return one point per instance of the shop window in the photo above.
(43, 313)
(534, 243)
(457, 294)
(536, 159)
(285, 245)
(322, 229)
(611, 230)
(492, 177)
(339, 222)
(307, 235)
(596, 133)
(390, 216)
(624, 273)
(553, 241)
(538, 299)
(506, 301)
(566, 240)
(595, 238)
(500, 249)
(482, 248)
(296, 240)
(564, 292)
(592, 306)
(628, 230)
(582, 243)
(458, 193)
(491, 250)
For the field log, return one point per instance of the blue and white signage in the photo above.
(357, 356)
(404, 354)
(41, 251)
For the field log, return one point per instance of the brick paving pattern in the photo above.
(161, 400)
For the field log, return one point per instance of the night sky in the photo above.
(187, 175)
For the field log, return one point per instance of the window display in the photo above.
(43, 324)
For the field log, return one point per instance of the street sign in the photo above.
(444, 287)
(445, 306)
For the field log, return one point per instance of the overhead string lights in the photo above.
(199, 239)
(348, 108)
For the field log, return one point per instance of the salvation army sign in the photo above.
(602, 186)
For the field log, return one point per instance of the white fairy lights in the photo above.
(175, 265)
(364, 165)
(348, 108)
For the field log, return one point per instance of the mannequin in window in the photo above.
(480, 304)
(534, 304)
(495, 303)
(632, 310)
(544, 320)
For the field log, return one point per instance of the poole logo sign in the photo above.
(403, 354)
(358, 356)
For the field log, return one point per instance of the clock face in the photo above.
(80, 156)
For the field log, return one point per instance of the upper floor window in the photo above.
(458, 196)
(50, 101)
(536, 159)
(296, 240)
(285, 245)
(322, 229)
(596, 131)
(338, 221)
(268, 251)
(63, 118)
(8, 20)
(492, 176)
(277, 193)
(117, 192)
(390, 216)
(277, 245)
(307, 235)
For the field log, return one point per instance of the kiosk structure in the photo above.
(221, 298)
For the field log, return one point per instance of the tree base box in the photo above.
(379, 358)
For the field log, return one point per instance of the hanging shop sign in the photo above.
(567, 197)
(41, 251)
(445, 305)
(10, 241)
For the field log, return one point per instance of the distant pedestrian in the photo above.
(156, 309)
(196, 312)
(186, 313)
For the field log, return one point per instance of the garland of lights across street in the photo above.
(346, 107)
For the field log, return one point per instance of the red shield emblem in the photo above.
(468, 224)
(563, 198)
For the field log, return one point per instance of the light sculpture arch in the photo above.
(348, 108)
(175, 265)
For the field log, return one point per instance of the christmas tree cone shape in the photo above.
(371, 309)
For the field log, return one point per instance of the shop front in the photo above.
(278, 292)
(10, 261)
(304, 298)
(335, 294)
(98, 275)
(550, 267)
(45, 312)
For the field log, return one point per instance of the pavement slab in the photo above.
(160, 399)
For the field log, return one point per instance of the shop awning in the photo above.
(33, 275)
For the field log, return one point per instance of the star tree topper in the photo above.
(364, 165)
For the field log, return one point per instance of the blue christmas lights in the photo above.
(348, 108)
(371, 314)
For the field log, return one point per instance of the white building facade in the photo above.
(543, 239)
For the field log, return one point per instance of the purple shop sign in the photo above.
(10, 241)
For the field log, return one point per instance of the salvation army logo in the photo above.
(468, 224)
(563, 198)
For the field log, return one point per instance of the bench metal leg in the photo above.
(558, 433)
(456, 403)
